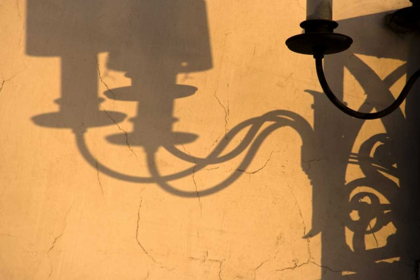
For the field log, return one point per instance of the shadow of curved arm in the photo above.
(356, 114)
(303, 128)
(280, 118)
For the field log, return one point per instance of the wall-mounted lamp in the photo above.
(319, 39)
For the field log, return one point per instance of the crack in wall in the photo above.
(220, 270)
(2, 84)
(294, 267)
(313, 160)
(202, 260)
(197, 192)
(261, 264)
(215, 142)
(328, 268)
(102, 81)
(217, 82)
(99, 179)
(214, 168)
(259, 169)
(206, 258)
(98, 68)
(56, 239)
(137, 234)
(119, 127)
(226, 113)
(141, 246)
(6, 80)
(18, 9)
(258, 267)
(310, 258)
(195, 183)
(314, 263)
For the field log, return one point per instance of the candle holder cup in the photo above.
(319, 38)
(406, 19)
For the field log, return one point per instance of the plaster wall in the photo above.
(183, 140)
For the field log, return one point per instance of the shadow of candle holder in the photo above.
(166, 38)
(66, 30)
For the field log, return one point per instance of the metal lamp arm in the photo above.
(356, 114)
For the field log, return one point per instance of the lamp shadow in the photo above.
(151, 42)
(164, 38)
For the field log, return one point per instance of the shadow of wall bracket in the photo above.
(319, 39)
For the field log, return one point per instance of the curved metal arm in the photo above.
(356, 114)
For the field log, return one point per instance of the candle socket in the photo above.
(319, 38)
(406, 19)
(319, 26)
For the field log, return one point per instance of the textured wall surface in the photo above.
(181, 139)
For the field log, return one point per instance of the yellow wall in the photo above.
(181, 139)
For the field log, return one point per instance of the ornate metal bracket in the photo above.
(319, 39)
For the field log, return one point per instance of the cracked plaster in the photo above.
(255, 228)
